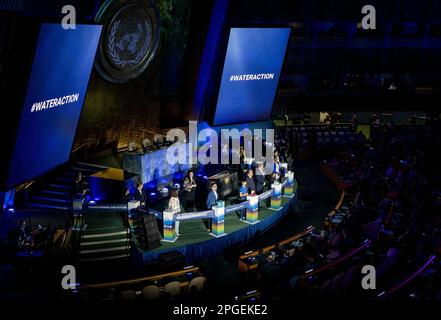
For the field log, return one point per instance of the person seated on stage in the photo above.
(212, 200)
(250, 182)
(260, 179)
(243, 194)
(189, 191)
(175, 205)
(139, 194)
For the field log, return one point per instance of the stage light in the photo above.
(153, 194)
(11, 210)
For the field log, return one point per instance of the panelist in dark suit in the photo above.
(79, 188)
(250, 182)
(139, 194)
(189, 191)
(211, 201)
(260, 179)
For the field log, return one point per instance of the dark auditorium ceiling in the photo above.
(330, 57)
(333, 61)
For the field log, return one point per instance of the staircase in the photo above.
(56, 192)
(104, 238)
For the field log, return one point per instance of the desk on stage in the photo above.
(227, 182)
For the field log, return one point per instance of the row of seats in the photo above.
(323, 127)
(318, 135)
(163, 286)
(171, 289)
(250, 260)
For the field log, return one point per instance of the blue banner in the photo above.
(56, 91)
(251, 73)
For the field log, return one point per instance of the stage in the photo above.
(196, 243)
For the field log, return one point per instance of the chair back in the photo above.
(128, 295)
(197, 282)
(174, 288)
(150, 292)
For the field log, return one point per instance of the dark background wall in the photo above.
(115, 114)
(164, 95)
(122, 113)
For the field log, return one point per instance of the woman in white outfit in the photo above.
(175, 205)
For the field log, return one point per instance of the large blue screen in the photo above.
(251, 73)
(57, 87)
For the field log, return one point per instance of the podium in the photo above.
(133, 205)
(77, 203)
(169, 226)
(252, 216)
(218, 225)
(289, 186)
(77, 208)
(276, 197)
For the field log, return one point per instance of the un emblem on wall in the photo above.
(130, 39)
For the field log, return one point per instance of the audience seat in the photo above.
(173, 288)
(128, 295)
(197, 282)
(150, 292)
(350, 275)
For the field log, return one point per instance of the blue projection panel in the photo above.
(57, 87)
(251, 73)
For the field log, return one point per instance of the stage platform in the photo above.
(195, 243)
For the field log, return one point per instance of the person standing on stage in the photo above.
(189, 191)
(79, 189)
(243, 194)
(276, 165)
(139, 194)
(175, 205)
(260, 179)
(275, 178)
(211, 200)
(250, 182)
